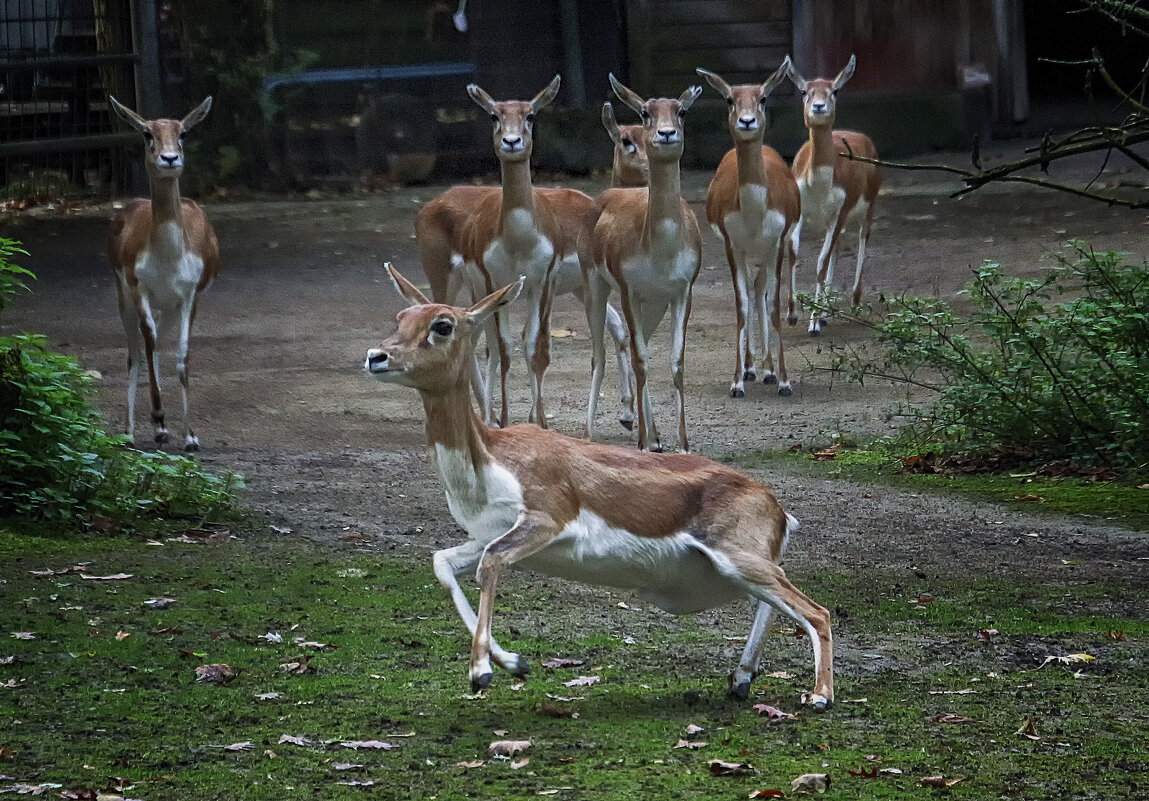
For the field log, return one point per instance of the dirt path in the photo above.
(278, 392)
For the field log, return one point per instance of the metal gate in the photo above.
(58, 61)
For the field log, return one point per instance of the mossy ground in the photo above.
(105, 696)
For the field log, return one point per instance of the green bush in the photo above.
(57, 462)
(1055, 381)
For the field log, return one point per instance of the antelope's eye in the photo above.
(834, 93)
(762, 102)
(530, 117)
(442, 328)
(494, 117)
(149, 137)
(730, 102)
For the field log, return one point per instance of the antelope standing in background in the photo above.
(753, 204)
(164, 253)
(647, 246)
(836, 192)
(685, 533)
(630, 166)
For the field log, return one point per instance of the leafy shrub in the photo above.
(1057, 381)
(57, 462)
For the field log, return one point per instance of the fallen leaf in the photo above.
(7, 660)
(1029, 498)
(267, 696)
(300, 667)
(986, 635)
(347, 766)
(217, 673)
(113, 577)
(375, 744)
(550, 710)
(719, 767)
(779, 674)
(811, 783)
(562, 333)
(940, 781)
(566, 698)
(953, 692)
(23, 635)
(123, 635)
(891, 771)
(692, 729)
(871, 773)
(583, 681)
(1068, 659)
(244, 746)
(1028, 729)
(767, 794)
(1117, 635)
(563, 662)
(302, 643)
(508, 748)
(772, 713)
(693, 744)
(159, 603)
(522, 763)
(474, 763)
(953, 719)
(368, 783)
(271, 637)
(293, 739)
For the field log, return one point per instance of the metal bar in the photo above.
(67, 145)
(405, 71)
(57, 62)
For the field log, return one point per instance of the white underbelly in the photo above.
(678, 574)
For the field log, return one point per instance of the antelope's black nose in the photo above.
(376, 361)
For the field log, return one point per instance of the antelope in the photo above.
(441, 221)
(685, 533)
(538, 233)
(836, 192)
(164, 253)
(647, 246)
(753, 204)
(630, 166)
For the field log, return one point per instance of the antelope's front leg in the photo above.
(533, 532)
(449, 564)
(680, 309)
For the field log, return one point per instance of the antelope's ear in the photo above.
(794, 76)
(610, 123)
(546, 96)
(496, 300)
(847, 72)
(127, 115)
(627, 95)
(686, 100)
(405, 288)
(777, 78)
(484, 100)
(715, 80)
(196, 115)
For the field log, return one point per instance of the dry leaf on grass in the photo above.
(772, 713)
(376, 744)
(583, 681)
(473, 763)
(563, 662)
(114, 577)
(692, 744)
(217, 673)
(508, 748)
(767, 794)
(953, 719)
(244, 746)
(720, 767)
(811, 783)
(293, 739)
(941, 781)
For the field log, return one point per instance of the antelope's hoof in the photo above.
(814, 332)
(627, 423)
(191, 446)
(785, 391)
(740, 691)
(161, 437)
(480, 682)
(792, 319)
(749, 375)
(770, 379)
(737, 392)
(817, 702)
(520, 669)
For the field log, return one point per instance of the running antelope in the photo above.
(164, 253)
(685, 533)
(837, 192)
(647, 246)
(753, 204)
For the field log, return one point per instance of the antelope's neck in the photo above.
(517, 190)
(822, 145)
(664, 195)
(453, 425)
(751, 171)
(167, 216)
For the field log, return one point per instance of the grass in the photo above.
(1124, 504)
(106, 697)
